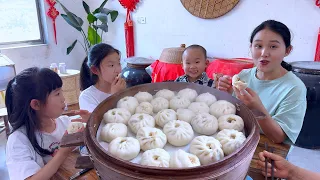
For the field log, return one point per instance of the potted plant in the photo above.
(97, 20)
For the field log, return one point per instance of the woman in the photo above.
(272, 88)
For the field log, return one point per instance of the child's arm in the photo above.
(53, 165)
(84, 116)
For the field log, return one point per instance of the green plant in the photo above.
(97, 20)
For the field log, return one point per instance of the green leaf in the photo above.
(73, 23)
(72, 19)
(102, 17)
(78, 19)
(114, 15)
(70, 48)
(105, 10)
(86, 7)
(93, 36)
(103, 27)
(103, 4)
(91, 18)
(99, 9)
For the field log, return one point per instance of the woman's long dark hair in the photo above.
(279, 28)
(95, 56)
(31, 83)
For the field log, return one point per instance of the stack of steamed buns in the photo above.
(209, 127)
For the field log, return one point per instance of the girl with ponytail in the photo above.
(35, 103)
(100, 76)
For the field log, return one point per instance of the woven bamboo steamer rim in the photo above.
(172, 55)
(209, 9)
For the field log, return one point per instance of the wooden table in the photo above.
(67, 169)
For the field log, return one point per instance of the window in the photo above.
(21, 22)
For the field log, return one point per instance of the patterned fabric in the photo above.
(203, 80)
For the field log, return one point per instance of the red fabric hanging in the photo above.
(228, 67)
(128, 28)
(162, 71)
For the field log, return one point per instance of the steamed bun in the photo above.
(204, 123)
(143, 97)
(125, 148)
(179, 133)
(159, 103)
(155, 157)
(130, 103)
(188, 93)
(207, 149)
(151, 138)
(222, 107)
(140, 120)
(165, 116)
(113, 130)
(117, 115)
(206, 98)
(165, 93)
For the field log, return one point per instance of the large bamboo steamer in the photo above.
(232, 167)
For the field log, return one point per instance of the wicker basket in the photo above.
(71, 86)
(172, 55)
(209, 9)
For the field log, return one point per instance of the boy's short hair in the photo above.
(196, 46)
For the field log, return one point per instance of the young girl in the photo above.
(272, 88)
(194, 60)
(34, 102)
(100, 76)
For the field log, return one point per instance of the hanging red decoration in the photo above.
(318, 3)
(130, 5)
(51, 2)
(53, 13)
(128, 26)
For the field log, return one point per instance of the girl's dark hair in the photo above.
(95, 56)
(278, 28)
(196, 46)
(31, 83)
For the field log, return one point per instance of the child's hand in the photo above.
(224, 84)
(84, 115)
(65, 151)
(118, 84)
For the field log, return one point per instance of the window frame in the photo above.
(42, 29)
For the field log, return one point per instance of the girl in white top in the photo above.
(35, 101)
(99, 76)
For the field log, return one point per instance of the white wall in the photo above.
(169, 25)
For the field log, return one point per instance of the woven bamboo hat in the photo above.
(209, 9)
(172, 55)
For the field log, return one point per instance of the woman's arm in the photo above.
(268, 125)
